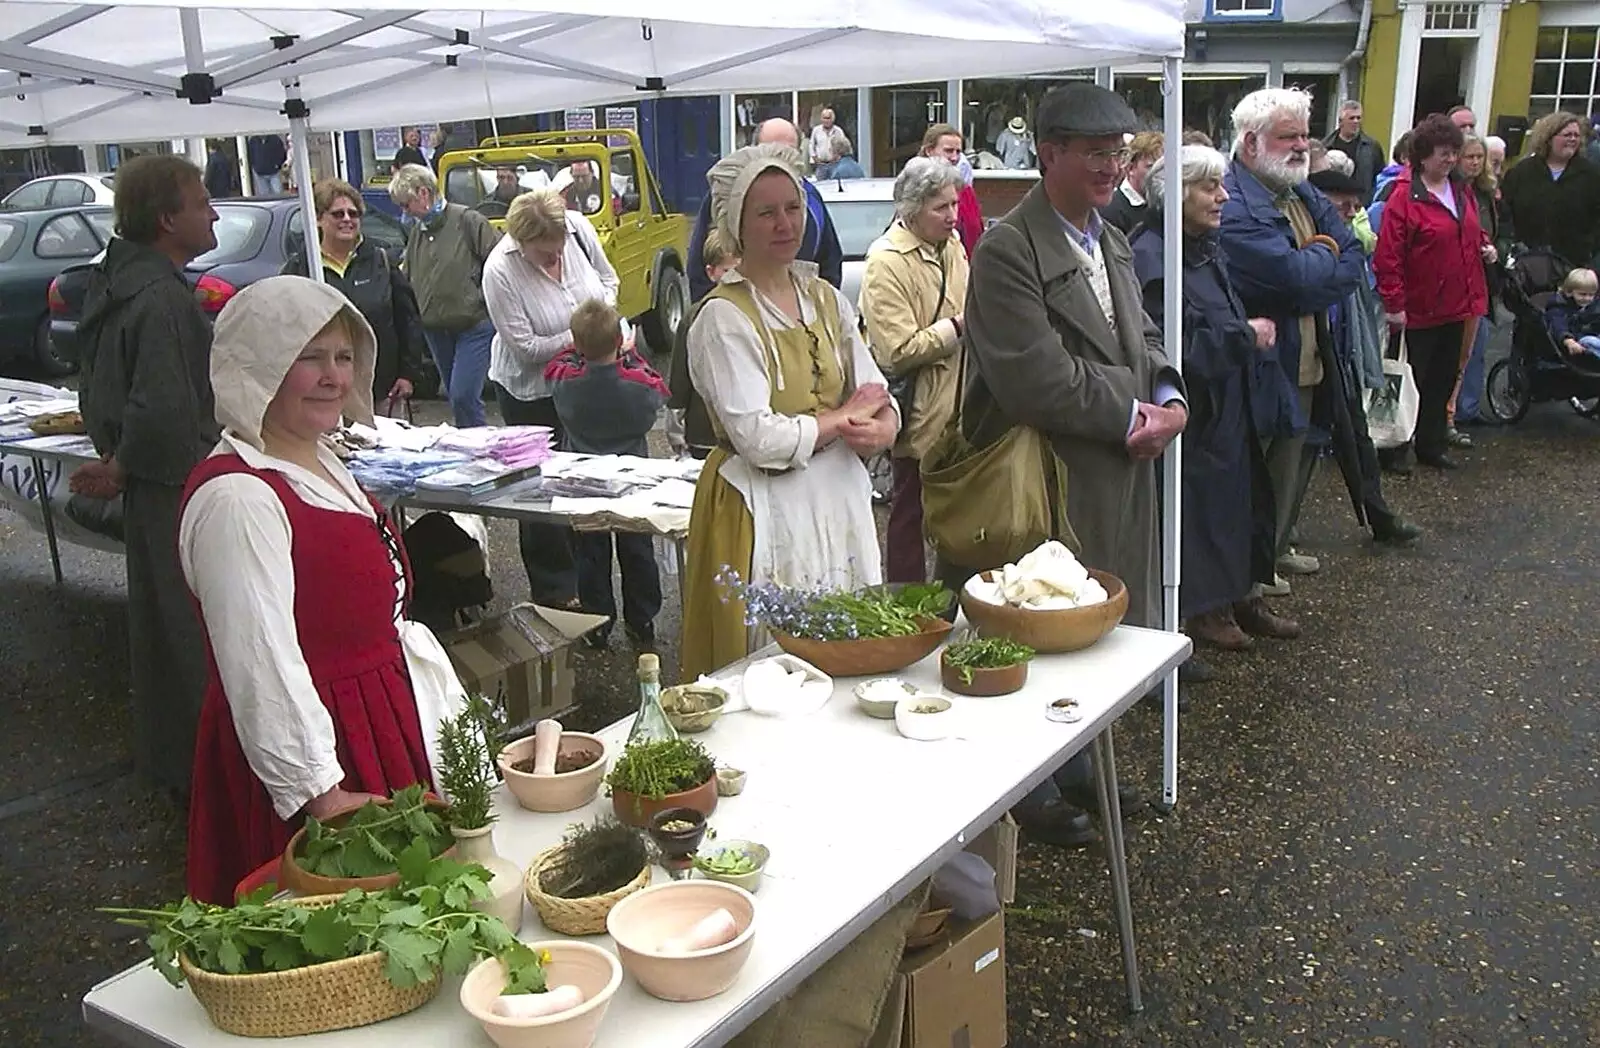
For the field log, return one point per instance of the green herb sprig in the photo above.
(651, 770)
(987, 653)
(467, 773)
(424, 926)
(369, 841)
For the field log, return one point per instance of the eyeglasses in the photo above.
(345, 213)
(1107, 159)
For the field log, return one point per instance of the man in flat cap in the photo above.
(1057, 340)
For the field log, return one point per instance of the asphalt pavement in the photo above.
(1386, 834)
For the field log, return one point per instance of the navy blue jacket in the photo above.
(1278, 279)
(820, 244)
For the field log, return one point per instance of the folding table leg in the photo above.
(1105, 773)
(49, 517)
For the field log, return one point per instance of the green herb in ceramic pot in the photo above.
(653, 770)
(986, 653)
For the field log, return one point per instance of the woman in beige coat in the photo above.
(911, 296)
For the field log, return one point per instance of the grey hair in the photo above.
(409, 181)
(1349, 105)
(1340, 161)
(1259, 110)
(920, 181)
(1196, 164)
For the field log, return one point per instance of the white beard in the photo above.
(1278, 173)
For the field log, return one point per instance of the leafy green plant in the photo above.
(370, 840)
(727, 862)
(467, 771)
(595, 858)
(423, 926)
(879, 611)
(651, 770)
(987, 653)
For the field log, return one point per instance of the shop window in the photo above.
(1451, 17)
(991, 105)
(750, 110)
(1244, 10)
(901, 114)
(1207, 102)
(842, 100)
(1322, 88)
(1566, 63)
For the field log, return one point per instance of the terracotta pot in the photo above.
(644, 920)
(589, 968)
(295, 878)
(552, 793)
(997, 680)
(682, 843)
(635, 810)
(1048, 632)
(505, 889)
(866, 658)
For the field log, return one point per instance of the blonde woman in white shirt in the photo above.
(321, 694)
(549, 261)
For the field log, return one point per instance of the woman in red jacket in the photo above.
(1429, 263)
(945, 143)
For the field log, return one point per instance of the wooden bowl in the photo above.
(986, 683)
(550, 793)
(296, 878)
(635, 810)
(640, 923)
(870, 657)
(1050, 632)
(590, 968)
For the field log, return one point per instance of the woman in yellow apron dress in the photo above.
(797, 403)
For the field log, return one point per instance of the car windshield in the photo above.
(859, 223)
(490, 188)
(240, 231)
(12, 233)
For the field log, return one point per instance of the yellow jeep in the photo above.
(604, 175)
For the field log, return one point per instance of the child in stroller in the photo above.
(1540, 367)
(1572, 316)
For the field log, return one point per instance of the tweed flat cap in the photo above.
(1331, 181)
(1083, 109)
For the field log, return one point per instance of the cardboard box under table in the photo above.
(951, 994)
(522, 657)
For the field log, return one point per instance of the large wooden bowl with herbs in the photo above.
(650, 777)
(872, 631)
(1050, 631)
(361, 849)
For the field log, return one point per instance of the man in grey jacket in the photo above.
(146, 401)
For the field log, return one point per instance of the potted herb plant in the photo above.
(467, 778)
(847, 634)
(575, 884)
(310, 965)
(360, 849)
(665, 773)
(985, 666)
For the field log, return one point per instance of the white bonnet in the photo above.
(259, 335)
(731, 177)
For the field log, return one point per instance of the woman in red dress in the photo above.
(320, 694)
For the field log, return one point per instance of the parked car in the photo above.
(36, 246)
(861, 209)
(60, 191)
(255, 237)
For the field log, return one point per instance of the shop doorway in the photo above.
(900, 116)
(1442, 70)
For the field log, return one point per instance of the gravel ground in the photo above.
(1387, 831)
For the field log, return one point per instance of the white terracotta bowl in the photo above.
(549, 793)
(592, 969)
(925, 727)
(644, 920)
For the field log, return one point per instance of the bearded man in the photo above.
(1291, 258)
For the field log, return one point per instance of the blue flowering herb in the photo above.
(821, 614)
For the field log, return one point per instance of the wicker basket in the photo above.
(585, 916)
(320, 997)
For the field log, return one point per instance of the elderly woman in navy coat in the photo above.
(1227, 494)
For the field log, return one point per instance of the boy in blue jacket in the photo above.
(1572, 317)
(607, 399)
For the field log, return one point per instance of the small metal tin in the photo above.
(1067, 711)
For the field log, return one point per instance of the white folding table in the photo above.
(856, 817)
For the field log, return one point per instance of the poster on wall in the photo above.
(385, 142)
(578, 119)
(621, 117)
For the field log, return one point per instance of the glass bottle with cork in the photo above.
(650, 724)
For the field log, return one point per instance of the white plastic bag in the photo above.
(1392, 410)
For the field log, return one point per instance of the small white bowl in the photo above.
(925, 726)
(882, 708)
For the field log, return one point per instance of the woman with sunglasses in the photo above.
(322, 694)
(371, 279)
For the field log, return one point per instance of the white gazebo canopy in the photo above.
(132, 70)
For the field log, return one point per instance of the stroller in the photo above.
(1537, 369)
